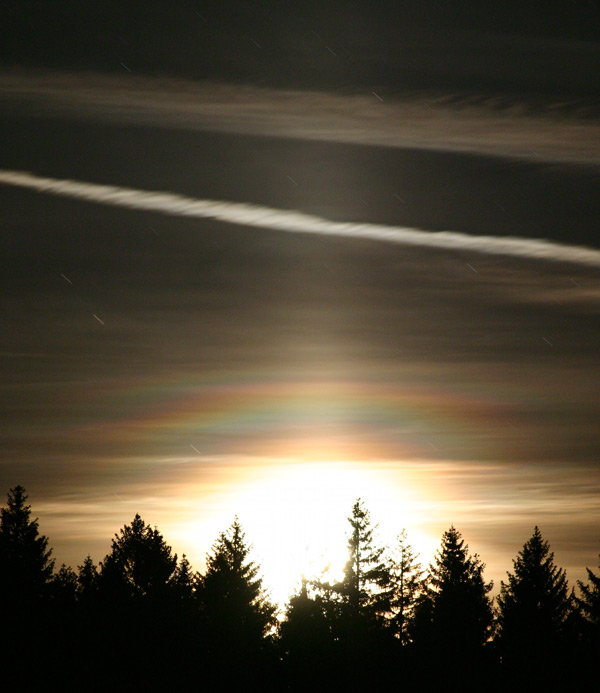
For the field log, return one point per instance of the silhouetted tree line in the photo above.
(143, 618)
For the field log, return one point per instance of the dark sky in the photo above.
(162, 361)
(528, 47)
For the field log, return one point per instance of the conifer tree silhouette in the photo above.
(65, 585)
(137, 603)
(26, 591)
(140, 563)
(534, 618)
(305, 624)
(589, 603)
(26, 565)
(156, 619)
(231, 591)
(358, 608)
(236, 612)
(407, 576)
(535, 603)
(367, 587)
(184, 580)
(460, 609)
(307, 641)
(87, 580)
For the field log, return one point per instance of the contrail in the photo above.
(298, 222)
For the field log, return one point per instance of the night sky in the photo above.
(264, 316)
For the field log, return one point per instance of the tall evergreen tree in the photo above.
(26, 591)
(589, 603)
(87, 580)
(460, 609)
(535, 619)
(140, 563)
(236, 612)
(26, 565)
(407, 577)
(358, 608)
(367, 587)
(89, 610)
(231, 590)
(138, 605)
(534, 604)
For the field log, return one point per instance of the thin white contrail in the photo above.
(298, 222)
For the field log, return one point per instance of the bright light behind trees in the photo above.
(295, 515)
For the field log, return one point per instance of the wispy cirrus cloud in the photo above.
(297, 222)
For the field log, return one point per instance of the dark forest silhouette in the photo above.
(144, 618)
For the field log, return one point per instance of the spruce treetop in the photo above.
(534, 604)
(140, 560)
(589, 605)
(231, 591)
(26, 566)
(407, 576)
(367, 584)
(458, 595)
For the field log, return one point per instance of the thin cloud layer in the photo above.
(558, 131)
(423, 497)
(297, 222)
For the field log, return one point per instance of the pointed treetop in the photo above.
(452, 563)
(407, 576)
(589, 602)
(461, 611)
(140, 559)
(367, 583)
(26, 566)
(535, 602)
(231, 591)
(230, 549)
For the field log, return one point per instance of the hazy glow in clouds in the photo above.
(294, 510)
(297, 222)
(297, 513)
(438, 391)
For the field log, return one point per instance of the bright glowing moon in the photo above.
(295, 515)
